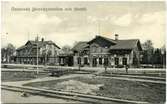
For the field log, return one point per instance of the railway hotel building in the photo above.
(48, 52)
(102, 51)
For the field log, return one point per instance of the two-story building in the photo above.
(40, 51)
(102, 51)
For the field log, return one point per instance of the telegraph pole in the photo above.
(37, 56)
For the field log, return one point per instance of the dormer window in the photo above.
(99, 49)
(93, 49)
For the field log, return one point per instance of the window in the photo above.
(79, 60)
(124, 61)
(99, 50)
(116, 61)
(105, 61)
(100, 61)
(85, 60)
(93, 49)
(61, 61)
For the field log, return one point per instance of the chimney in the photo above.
(116, 36)
(42, 39)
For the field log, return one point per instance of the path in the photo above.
(20, 83)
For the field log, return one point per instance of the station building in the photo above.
(102, 51)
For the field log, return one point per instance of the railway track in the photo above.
(70, 96)
(136, 77)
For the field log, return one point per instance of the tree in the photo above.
(157, 59)
(148, 45)
(148, 50)
(3, 55)
(7, 53)
(163, 52)
(75, 43)
(66, 49)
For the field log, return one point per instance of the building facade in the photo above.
(102, 51)
(38, 51)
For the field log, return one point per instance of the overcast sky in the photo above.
(131, 20)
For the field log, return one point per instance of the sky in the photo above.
(130, 19)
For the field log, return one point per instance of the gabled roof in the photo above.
(108, 39)
(80, 46)
(126, 44)
(40, 44)
(104, 41)
(114, 44)
(22, 47)
(31, 42)
(51, 42)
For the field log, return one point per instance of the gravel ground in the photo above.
(121, 89)
(15, 97)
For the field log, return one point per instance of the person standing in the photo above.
(126, 68)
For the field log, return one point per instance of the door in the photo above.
(94, 62)
(85, 61)
(70, 61)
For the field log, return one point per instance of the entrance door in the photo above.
(94, 62)
(85, 61)
(70, 61)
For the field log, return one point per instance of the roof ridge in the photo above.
(108, 38)
(128, 39)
